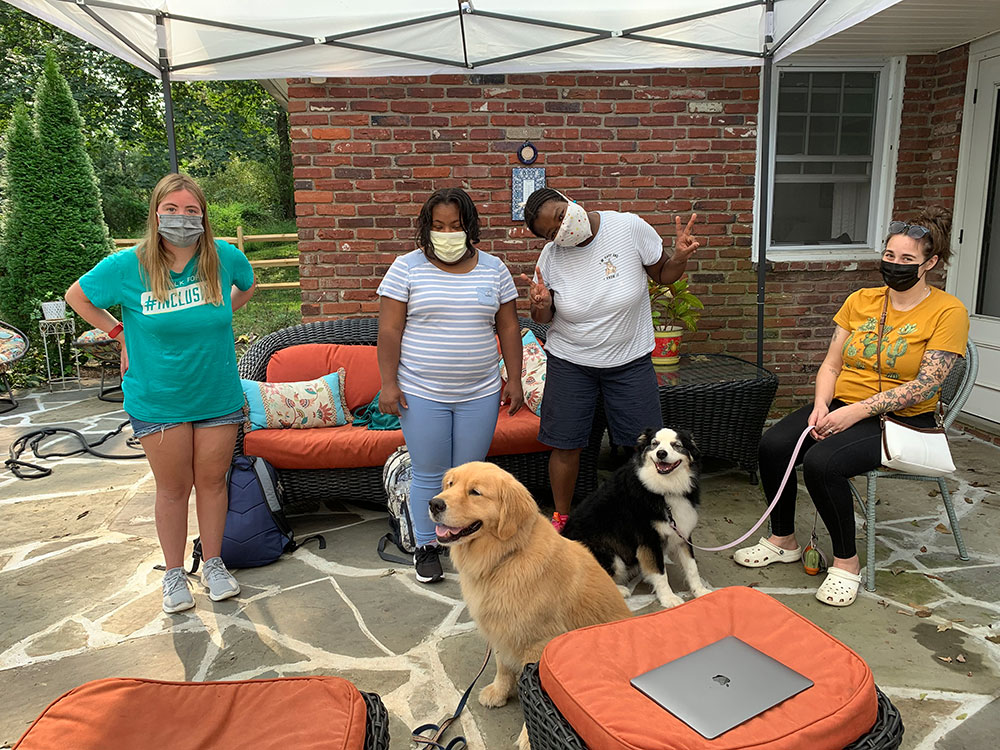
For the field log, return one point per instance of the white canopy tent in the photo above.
(262, 39)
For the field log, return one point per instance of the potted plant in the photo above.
(53, 306)
(674, 308)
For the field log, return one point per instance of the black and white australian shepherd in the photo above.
(635, 516)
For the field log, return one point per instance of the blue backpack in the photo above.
(256, 532)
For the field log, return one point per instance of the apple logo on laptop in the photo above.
(722, 680)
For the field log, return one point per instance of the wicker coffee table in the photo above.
(723, 401)
(548, 730)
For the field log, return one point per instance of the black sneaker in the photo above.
(427, 562)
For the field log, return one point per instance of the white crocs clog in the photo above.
(840, 588)
(765, 553)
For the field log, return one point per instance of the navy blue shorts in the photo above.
(631, 402)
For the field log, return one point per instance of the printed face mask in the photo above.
(449, 247)
(181, 230)
(575, 226)
(900, 276)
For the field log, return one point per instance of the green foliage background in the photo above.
(221, 127)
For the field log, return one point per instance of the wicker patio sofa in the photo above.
(306, 488)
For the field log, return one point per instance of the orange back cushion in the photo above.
(595, 696)
(310, 361)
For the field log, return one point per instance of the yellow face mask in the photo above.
(449, 247)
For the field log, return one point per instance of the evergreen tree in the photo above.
(23, 236)
(53, 228)
(77, 237)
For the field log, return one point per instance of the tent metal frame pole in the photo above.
(168, 101)
(764, 133)
(798, 25)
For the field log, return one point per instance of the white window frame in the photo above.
(888, 114)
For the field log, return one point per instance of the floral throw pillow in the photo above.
(297, 406)
(533, 366)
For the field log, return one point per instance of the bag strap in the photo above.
(270, 495)
(939, 409)
(388, 556)
(439, 729)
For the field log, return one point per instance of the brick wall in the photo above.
(369, 151)
(930, 130)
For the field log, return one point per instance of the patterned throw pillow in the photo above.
(533, 366)
(299, 406)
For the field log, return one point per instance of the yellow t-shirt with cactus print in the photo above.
(940, 322)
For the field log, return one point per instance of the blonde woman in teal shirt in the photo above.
(178, 289)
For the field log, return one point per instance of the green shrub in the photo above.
(246, 182)
(54, 228)
(225, 217)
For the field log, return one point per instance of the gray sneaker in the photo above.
(220, 582)
(176, 594)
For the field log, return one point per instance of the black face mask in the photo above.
(900, 276)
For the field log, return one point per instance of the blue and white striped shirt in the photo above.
(449, 350)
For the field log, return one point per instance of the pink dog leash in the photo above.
(781, 488)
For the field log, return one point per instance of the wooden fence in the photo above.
(240, 241)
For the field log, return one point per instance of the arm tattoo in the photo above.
(934, 368)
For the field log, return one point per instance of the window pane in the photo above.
(817, 167)
(790, 79)
(825, 101)
(828, 119)
(819, 213)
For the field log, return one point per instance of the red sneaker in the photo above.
(559, 520)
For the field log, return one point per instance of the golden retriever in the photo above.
(524, 584)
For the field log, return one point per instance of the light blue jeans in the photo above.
(440, 436)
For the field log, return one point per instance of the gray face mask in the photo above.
(181, 230)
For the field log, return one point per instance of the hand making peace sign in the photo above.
(685, 244)
(538, 294)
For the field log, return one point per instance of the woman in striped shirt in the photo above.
(437, 353)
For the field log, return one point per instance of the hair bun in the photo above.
(938, 220)
(936, 215)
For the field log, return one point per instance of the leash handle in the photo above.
(781, 488)
(440, 729)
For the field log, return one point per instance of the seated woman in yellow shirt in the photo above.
(925, 331)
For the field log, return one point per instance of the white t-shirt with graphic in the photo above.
(602, 316)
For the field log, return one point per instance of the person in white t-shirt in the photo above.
(590, 287)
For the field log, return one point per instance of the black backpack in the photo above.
(256, 532)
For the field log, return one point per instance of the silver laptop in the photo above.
(720, 686)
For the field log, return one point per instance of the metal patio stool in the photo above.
(954, 392)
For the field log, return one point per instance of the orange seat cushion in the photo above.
(349, 447)
(586, 673)
(136, 714)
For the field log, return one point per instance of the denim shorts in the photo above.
(141, 429)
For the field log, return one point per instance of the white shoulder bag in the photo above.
(914, 450)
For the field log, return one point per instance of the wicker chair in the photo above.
(13, 346)
(306, 488)
(548, 730)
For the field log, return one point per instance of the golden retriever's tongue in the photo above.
(446, 531)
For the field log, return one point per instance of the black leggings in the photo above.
(827, 467)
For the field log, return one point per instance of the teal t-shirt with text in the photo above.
(181, 353)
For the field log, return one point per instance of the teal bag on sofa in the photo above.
(369, 416)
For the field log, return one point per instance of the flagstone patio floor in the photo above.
(79, 599)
